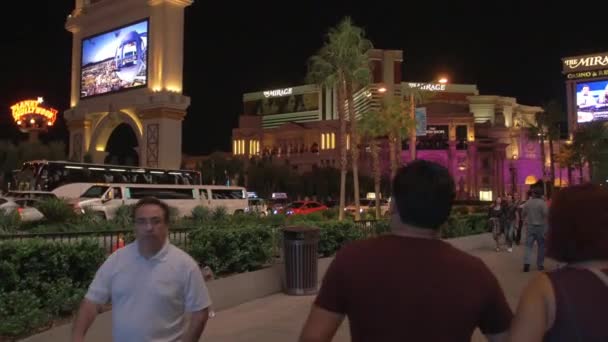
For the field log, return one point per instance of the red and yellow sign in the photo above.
(33, 107)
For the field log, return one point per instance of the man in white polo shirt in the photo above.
(152, 285)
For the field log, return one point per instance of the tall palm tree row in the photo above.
(389, 122)
(342, 64)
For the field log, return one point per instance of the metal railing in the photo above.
(109, 240)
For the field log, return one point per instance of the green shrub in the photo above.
(334, 234)
(9, 221)
(40, 279)
(232, 250)
(201, 214)
(123, 218)
(458, 226)
(56, 210)
(21, 312)
(331, 213)
(219, 214)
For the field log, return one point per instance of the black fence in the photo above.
(110, 240)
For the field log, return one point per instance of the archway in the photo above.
(122, 147)
(118, 135)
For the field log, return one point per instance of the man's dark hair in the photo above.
(153, 201)
(423, 192)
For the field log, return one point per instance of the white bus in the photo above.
(105, 198)
(45, 175)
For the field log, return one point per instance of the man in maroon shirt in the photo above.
(410, 285)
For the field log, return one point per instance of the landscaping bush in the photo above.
(219, 214)
(56, 210)
(123, 219)
(9, 221)
(40, 280)
(201, 214)
(334, 234)
(458, 226)
(232, 250)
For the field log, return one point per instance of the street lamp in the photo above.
(443, 80)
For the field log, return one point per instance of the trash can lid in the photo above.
(301, 233)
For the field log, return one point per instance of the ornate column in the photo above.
(80, 136)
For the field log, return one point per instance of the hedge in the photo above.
(40, 280)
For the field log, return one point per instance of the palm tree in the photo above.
(567, 157)
(590, 141)
(389, 122)
(412, 98)
(342, 64)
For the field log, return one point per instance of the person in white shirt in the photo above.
(154, 287)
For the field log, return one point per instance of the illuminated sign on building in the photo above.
(587, 74)
(278, 92)
(33, 108)
(428, 86)
(587, 62)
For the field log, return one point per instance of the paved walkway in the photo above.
(280, 317)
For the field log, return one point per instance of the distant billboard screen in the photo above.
(592, 101)
(114, 61)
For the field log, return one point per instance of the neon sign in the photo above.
(586, 62)
(428, 86)
(278, 92)
(33, 107)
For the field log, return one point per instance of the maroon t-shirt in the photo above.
(395, 288)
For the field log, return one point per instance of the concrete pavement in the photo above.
(280, 317)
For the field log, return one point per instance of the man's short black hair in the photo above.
(153, 201)
(423, 193)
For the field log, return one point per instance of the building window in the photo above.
(328, 141)
(238, 147)
(254, 147)
(485, 195)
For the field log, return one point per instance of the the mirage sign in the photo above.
(586, 62)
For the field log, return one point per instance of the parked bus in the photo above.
(105, 199)
(48, 175)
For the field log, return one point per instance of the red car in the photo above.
(304, 207)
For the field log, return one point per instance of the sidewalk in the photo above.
(280, 317)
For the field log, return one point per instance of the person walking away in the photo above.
(570, 304)
(410, 285)
(154, 287)
(535, 213)
(511, 218)
(497, 215)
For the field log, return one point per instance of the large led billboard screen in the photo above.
(115, 60)
(592, 101)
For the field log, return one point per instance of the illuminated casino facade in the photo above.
(481, 139)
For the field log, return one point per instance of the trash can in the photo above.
(300, 252)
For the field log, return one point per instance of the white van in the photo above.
(105, 199)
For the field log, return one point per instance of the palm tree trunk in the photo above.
(569, 175)
(590, 167)
(343, 157)
(542, 163)
(412, 129)
(354, 148)
(551, 161)
(377, 176)
(392, 151)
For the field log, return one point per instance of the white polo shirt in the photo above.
(149, 296)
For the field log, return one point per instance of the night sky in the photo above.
(513, 50)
